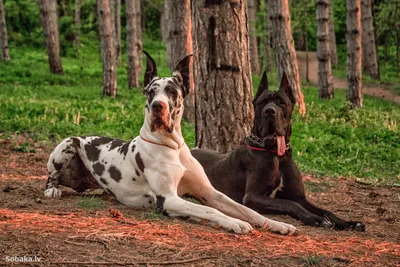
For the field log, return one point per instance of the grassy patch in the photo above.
(317, 187)
(309, 261)
(90, 202)
(332, 139)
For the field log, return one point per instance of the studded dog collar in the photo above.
(254, 139)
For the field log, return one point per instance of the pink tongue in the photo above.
(281, 145)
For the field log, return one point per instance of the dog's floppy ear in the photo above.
(151, 69)
(263, 85)
(287, 88)
(182, 74)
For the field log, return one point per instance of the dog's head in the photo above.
(273, 111)
(165, 95)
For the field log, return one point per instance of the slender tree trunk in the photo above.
(5, 53)
(397, 39)
(107, 49)
(307, 59)
(252, 15)
(133, 42)
(325, 85)
(285, 54)
(77, 26)
(354, 53)
(369, 56)
(301, 43)
(224, 112)
(48, 17)
(332, 35)
(118, 51)
(112, 21)
(268, 61)
(178, 37)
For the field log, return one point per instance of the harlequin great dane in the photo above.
(155, 168)
(261, 174)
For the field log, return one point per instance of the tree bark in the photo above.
(224, 112)
(107, 49)
(133, 42)
(77, 26)
(369, 56)
(354, 52)
(48, 17)
(118, 51)
(285, 54)
(178, 38)
(5, 52)
(268, 61)
(252, 19)
(325, 85)
(332, 35)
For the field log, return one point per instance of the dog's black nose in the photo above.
(156, 106)
(270, 111)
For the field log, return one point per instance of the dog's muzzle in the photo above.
(160, 116)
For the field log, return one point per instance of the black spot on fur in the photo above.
(150, 202)
(111, 192)
(104, 181)
(133, 148)
(134, 179)
(160, 204)
(115, 143)
(98, 168)
(146, 195)
(139, 162)
(115, 173)
(137, 173)
(57, 166)
(124, 149)
(92, 152)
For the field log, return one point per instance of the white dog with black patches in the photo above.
(155, 168)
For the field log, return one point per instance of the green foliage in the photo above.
(25, 147)
(311, 260)
(90, 202)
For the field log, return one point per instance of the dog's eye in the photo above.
(281, 102)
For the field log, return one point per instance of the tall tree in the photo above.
(77, 26)
(133, 42)
(285, 54)
(332, 35)
(252, 18)
(118, 51)
(5, 53)
(268, 61)
(224, 112)
(178, 38)
(369, 55)
(325, 85)
(107, 49)
(354, 52)
(48, 17)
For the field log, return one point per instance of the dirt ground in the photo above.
(63, 233)
(337, 82)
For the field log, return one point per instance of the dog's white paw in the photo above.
(53, 192)
(238, 226)
(280, 227)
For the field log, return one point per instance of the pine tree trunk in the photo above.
(48, 17)
(252, 15)
(354, 52)
(118, 51)
(178, 37)
(112, 21)
(369, 56)
(268, 61)
(77, 26)
(307, 59)
(224, 111)
(133, 42)
(332, 35)
(325, 85)
(301, 42)
(5, 53)
(107, 49)
(285, 54)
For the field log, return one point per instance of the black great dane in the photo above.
(261, 174)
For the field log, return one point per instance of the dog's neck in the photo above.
(173, 140)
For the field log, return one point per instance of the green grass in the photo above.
(92, 202)
(332, 139)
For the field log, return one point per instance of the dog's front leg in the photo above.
(164, 184)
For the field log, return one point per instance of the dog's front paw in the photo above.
(280, 227)
(352, 226)
(237, 226)
(52, 192)
(314, 220)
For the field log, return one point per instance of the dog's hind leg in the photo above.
(59, 160)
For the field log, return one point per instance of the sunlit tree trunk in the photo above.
(5, 53)
(48, 17)
(268, 54)
(354, 52)
(285, 54)
(325, 85)
(224, 112)
(107, 49)
(118, 51)
(369, 56)
(178, 38)
(332, 35)
(252, 15)
(133, 42)
(77, 26)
